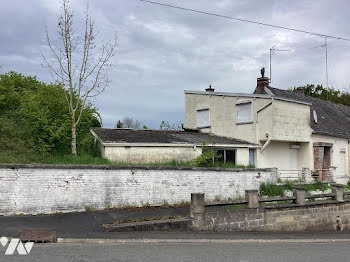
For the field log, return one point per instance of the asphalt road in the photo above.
(217, 252)
(83, 224)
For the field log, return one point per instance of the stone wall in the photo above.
(33, 189)
(310, 216)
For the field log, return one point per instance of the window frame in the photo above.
(251, 113)
(254, 156)
(199, 110)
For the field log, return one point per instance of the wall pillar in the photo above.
(252, 196)
(197, 204)
(307, 175)
(299, 194)
(338, 190)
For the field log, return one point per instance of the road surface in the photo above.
(243, 252)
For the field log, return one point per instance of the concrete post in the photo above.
(252, 197)
(299, 194)
(274, 174)
(338, 190)
(197, 204)
(307, 175)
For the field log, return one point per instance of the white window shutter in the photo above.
(203, 118)
(244, 113)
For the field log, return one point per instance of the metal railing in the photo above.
(291, 174)
(326, 175)
(307, 175)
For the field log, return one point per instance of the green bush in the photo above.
(35, 121)
(206, 159)
(316, 186)
(272, 190)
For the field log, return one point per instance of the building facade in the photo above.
(296, 133)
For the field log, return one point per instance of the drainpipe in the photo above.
(257, 123)
(266, 144)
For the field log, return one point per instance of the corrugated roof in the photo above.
(120, 135)
(332, 119)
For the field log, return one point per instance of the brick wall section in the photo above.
(318, 157)
(32, 189)
(312, 216)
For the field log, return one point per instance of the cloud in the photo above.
(164, 51)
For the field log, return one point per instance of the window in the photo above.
(244, 113)
(294, 158)
(203, 118)
(251, 157)
(231, 156)
(226, 155)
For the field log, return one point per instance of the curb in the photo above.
(186, 240)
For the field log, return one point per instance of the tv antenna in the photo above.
(273, 49)
(325, 45)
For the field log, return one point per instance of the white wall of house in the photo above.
(151, 153)
(339, 155)
(222, 115)
(272, 118)
(285, 155)
(290, 122)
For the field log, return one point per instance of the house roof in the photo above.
(121, 135)
(332, 119)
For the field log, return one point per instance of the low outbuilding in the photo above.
(156, 146)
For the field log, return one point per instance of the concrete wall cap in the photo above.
(115, 167)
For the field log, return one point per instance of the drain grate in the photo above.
(38, 236)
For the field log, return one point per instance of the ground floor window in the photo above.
(226, 155)
(251, 156)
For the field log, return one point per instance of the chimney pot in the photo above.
(262, 82)
(210, 89)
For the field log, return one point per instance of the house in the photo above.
(296, 133)
(149, 146)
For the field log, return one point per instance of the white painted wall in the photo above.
(339, 144)
(283, 120)
(278, 154)
(151, 154)
(50, 190)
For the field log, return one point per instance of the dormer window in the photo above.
(244, 112)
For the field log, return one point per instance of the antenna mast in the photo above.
(325, 45)
(272, 49)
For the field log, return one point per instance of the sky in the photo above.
(162, 51)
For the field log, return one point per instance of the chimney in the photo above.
(262, 82)
(210, 89)
(300, 89)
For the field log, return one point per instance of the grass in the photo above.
(86, 159)
(272, 190)
(83, 159)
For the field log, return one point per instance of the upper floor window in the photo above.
(244, 113)
(203, 118)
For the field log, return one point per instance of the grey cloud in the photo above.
(163, 51)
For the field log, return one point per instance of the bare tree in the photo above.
(129, 122)
(77, 63)
(166, 125)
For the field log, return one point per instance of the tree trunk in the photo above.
(74, 138)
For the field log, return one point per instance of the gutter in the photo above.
(179, 145)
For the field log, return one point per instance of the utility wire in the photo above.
(246, 20)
